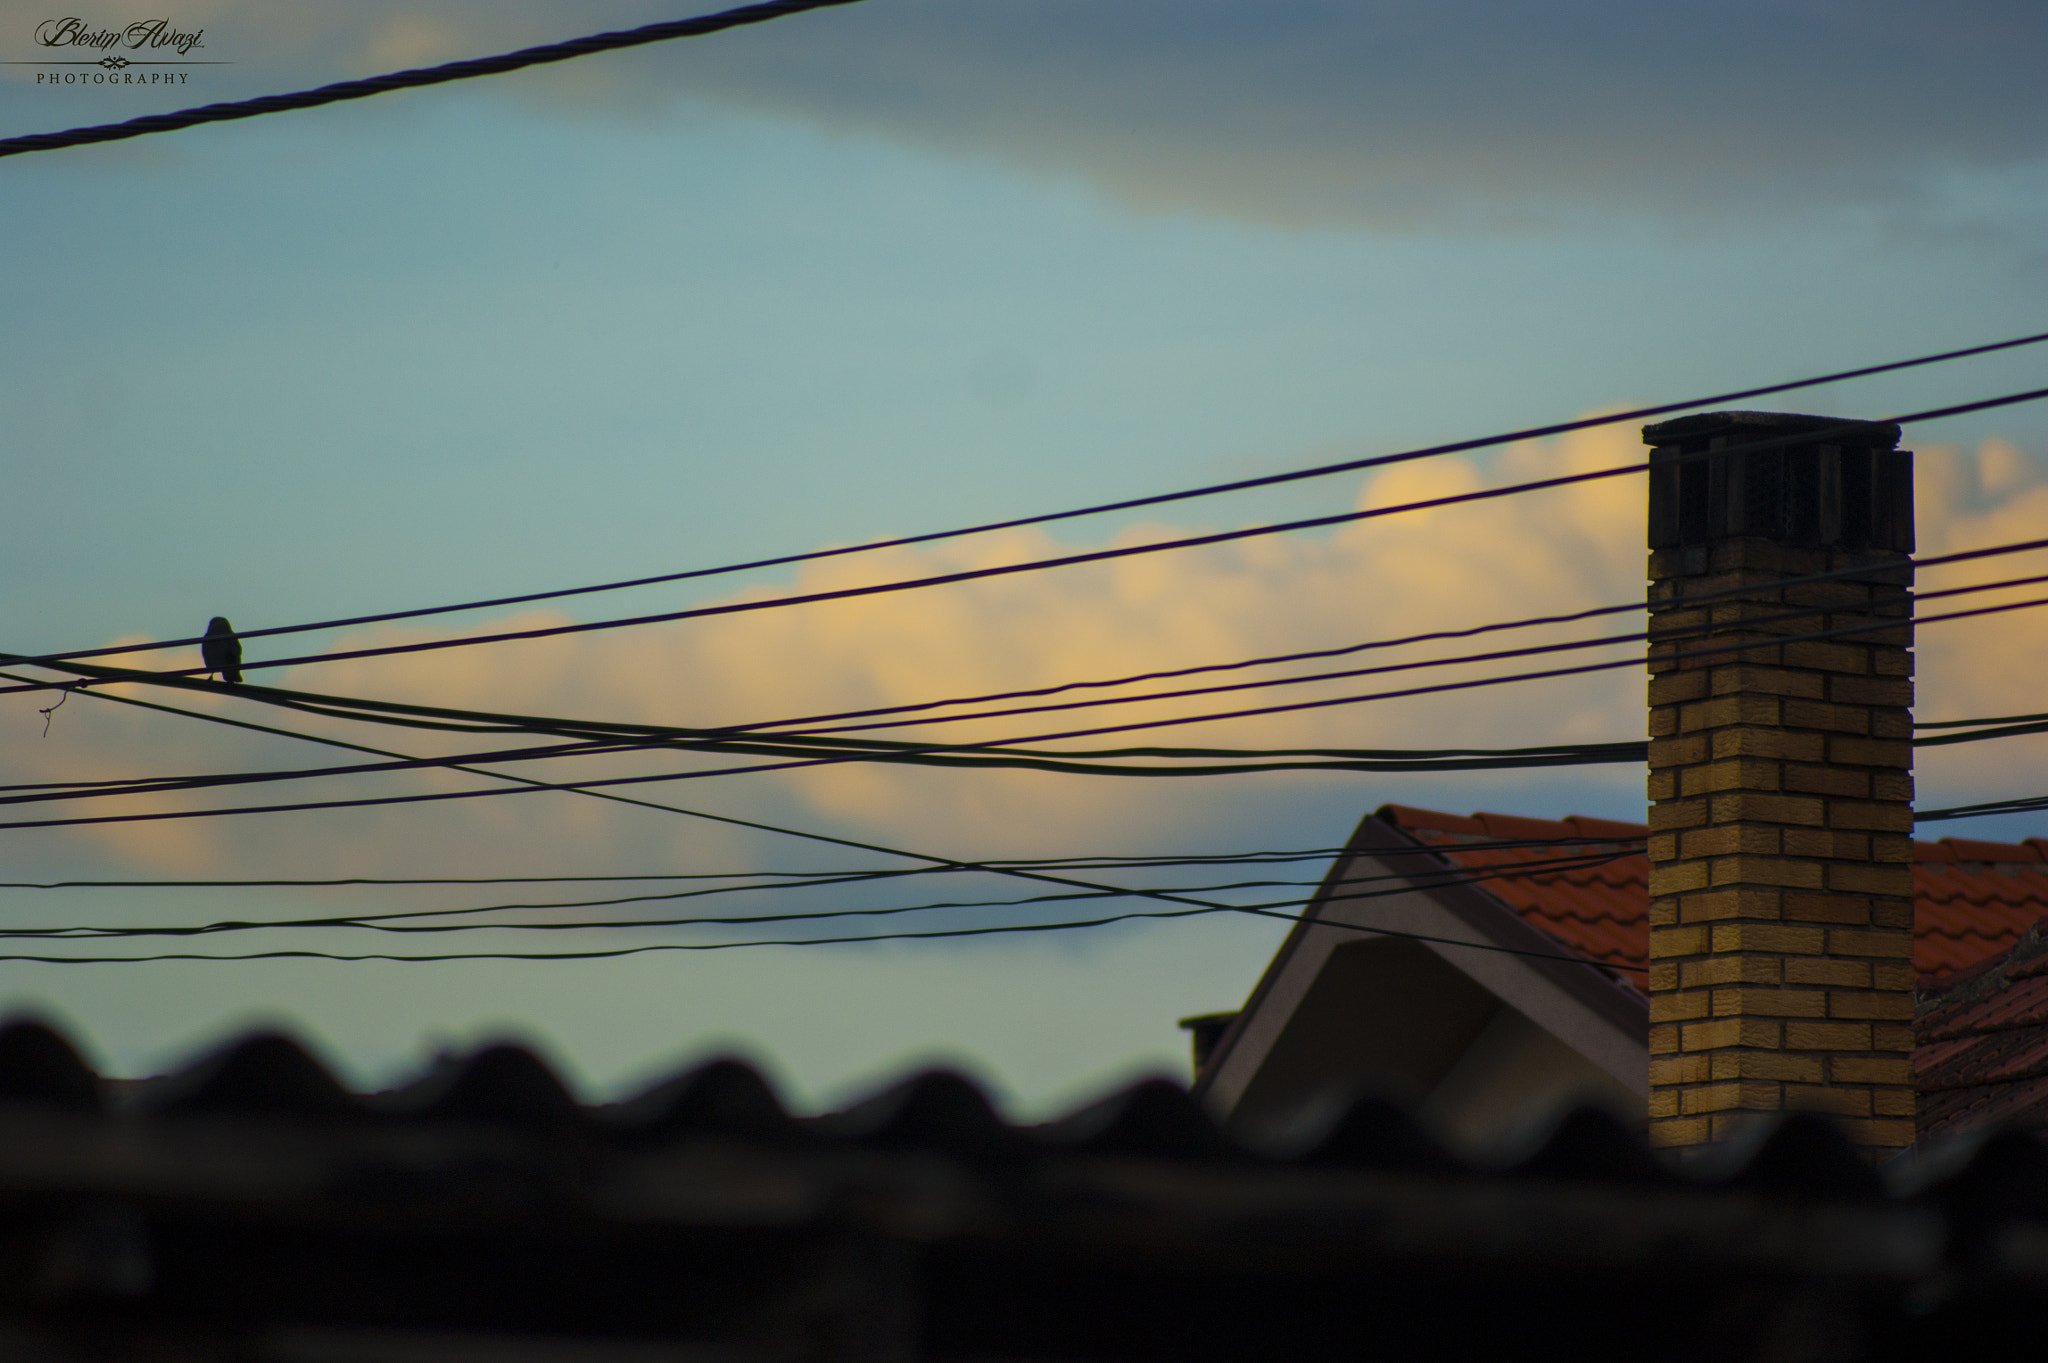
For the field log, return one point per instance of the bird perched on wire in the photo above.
(222, 651)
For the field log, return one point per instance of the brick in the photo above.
(1882, 816)
(1666, 942)
(1661, 975)
(1819, 714)
(1746, 901)
(1827, 970)
(1894, 662)
(1769, 937)
(1663, 847)
(1890, 975)
(1682, 1007)
(1752, 806)
(1868, 691)
(1750, 741)
(1885, 1004)
(1892, 1036)
(1681, 1069)
(1671, 688)
(1777, 1066)
(1754, 679)
(1679, 876)
(1825, 1036)
(1852, 910)
(1662, 785)
(1680, 1131)
(1892, 1102)
(1750, 1001)
(1664, 913)
(1842, 1102)
(1724, 839)
(1828, 655)
(1892, 785)
(1757, 1032)
(1664, 1039)
(1741, 1096)
(1870, 1069)
(1891, 913)
(1784, 872)
(1723, 710)
(1867, 752)
(1677, 814)
(1801, 779)
(1891, 847)
(1739, 773)
(1732, 969)
(1891, 723)
(1682, 752)
(1877, 942)
(1663, 1102)
(1826, 843)
(1886, 878)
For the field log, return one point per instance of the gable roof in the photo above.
(1973, 900)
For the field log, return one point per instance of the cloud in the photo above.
(1481, 112)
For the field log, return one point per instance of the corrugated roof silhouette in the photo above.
(248, 1205)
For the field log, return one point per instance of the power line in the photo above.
(921, 935)
(407, 80)
(826, 838)
(1128, 504)
(967, 754)
(333, 706)
(2018, 805)
(402, 921)
(730, 820)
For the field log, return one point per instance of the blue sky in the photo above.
(905, 265)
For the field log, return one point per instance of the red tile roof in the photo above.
(1973, 899)
(1983, 1034)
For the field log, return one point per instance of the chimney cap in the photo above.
(1703, 425)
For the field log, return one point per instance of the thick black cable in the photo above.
(734, 821)
(413, 79)
(2018, 805)
(803, 834)
(497, 722)
(1705, 650)
(1212, 490)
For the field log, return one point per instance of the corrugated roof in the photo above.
(1973, 899)
(249, 1206)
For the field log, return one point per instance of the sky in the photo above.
(895, 267)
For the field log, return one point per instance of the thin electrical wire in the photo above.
(403, 921)
(729, 820)
(482, 721)
(1709, 650)
(1087, 862)
(760, 826)
(1094, 510)
(924, 935)
(412, 79)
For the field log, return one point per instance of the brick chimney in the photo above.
(1781, 776)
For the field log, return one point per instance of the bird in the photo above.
(222, 651)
